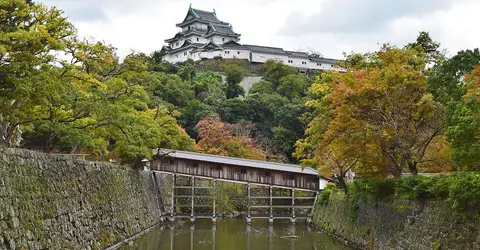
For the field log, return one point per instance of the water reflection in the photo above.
(235, 234)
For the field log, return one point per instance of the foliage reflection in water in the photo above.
(235, 234)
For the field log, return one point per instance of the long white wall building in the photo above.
(204, 36)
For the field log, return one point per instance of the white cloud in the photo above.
(142, 25)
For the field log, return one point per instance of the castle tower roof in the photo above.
(201, 16)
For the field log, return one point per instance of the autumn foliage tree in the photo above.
(378, 115)
(216, 138)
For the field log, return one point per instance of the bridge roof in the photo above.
(238, 161)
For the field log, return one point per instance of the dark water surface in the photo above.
(234, 234)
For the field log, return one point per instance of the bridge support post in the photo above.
(159, 196)
(214, 215)
(249, 219)
(174, 180)
(192, 212)
(292, 220)
(313, 208)
(270, 220)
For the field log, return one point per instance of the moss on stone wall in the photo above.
(53, 202)
(398, 224)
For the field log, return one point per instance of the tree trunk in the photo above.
(137, 163)
(340, 181)
(412, 166)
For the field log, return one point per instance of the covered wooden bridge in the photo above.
(251, 173)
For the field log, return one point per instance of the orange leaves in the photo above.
(216, 137)
(380, 115)
(473, 89)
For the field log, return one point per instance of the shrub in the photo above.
(372, 189)
(460, 190)
(325, 195)
(464, 194)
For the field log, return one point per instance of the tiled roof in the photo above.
(264, 49)
(224, 30)
(239, 162)
(207, 16)
(324, 60)
(297, 54)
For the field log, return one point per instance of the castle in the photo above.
(204, 36)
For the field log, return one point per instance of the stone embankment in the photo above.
(54, 202)
(398, 224)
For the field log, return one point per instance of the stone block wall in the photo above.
(54, 202)
(398, 224)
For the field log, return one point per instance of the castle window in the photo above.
(223, 39)
(319, 64)
(177, 55)
(198, 39)
(290, 61)
(238, 52)
(304, 62)
(176, 44)
(184, 53)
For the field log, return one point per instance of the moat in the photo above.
(235, 234)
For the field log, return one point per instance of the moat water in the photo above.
(235, 234)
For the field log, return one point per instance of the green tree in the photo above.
(273, 71)
(234, 110)
(208, 88)
(235, 75)
(168, 89)
(262, 87)
(293, 86)
(464, 131)
(433, 56)
(29, 34)
(187, 71)
(192, 113)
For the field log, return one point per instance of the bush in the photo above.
(464, 194)
(372, 189)
(325, 195)
(415, 188)
(460, 190)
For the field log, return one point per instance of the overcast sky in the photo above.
(327, 26)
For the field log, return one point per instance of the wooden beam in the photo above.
(239, 182)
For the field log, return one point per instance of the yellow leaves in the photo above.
(473, 88)
(437, 157)
(372, 114)
(319, 89)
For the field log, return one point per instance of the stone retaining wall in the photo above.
(397, 224)
(54, 202)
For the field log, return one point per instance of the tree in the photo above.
(85, 101)
(29, 34)
(433, 56)
(262, 87)
(391, 113)
(208, 88)
(234, 110)
(235, 75)
(187, 71)
(168, 89)
(449, 86)
(273, 71)
(293, 86)
(192, 113)
(464, 133)
(216, 138)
